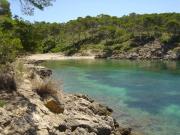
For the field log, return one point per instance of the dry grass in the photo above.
(7, 81)
(22, 72)
(19, 70)
(46, 88)
(50, 94)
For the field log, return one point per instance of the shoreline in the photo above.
(59, 114)
(59, 56)
(35, 61)
(51, 111)
(54, 56)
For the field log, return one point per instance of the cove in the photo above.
(144, 95)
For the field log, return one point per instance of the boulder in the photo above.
(100, 109)
(171, 55)
(53, 105)
(30, 114)
(40, 70)
(84, 97)
(44, 72)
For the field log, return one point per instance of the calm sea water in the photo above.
(143, 94)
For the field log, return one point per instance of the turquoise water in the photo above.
(143, 94)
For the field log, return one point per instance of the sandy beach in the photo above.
(55, 56)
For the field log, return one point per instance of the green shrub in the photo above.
(165, 38)
(2, 103)
(117, 47)
(125, 38)
(9, 48)
(126, 46)
(177, 50)
(48, 45)
(108, 51)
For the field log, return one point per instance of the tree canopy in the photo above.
(29, 5)
(5, 8)
(102, 33)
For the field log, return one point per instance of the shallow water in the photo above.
(143, 94)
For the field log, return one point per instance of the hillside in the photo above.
(134, 36)
(148, 36)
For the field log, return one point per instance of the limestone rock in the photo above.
(39, 70)
(100, 109)
(26, 113)
(53, 105)
(150, 50)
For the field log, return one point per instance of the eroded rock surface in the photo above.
(151, 50)
(25, 113)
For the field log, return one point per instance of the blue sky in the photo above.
(65, 10)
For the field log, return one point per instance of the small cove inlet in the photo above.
(143, 94)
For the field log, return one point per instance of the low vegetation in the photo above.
(7, 80)
(98, 34)
(50, 94)
(45, 88)
(102, 33)
(2, 103)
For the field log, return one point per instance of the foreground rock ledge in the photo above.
(25, 113)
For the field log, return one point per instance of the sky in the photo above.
(65, 10)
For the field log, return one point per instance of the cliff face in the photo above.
(27, 112)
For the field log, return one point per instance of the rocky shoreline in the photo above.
(150, 51)
(154, 50)
(27, 112)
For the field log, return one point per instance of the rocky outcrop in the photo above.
(151, 50)
(27, 113)
(171, 55)
(53, 105)
(39, 70)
